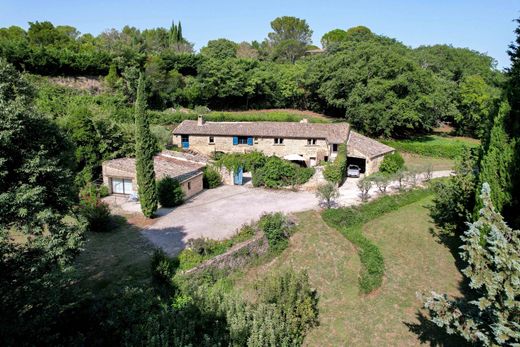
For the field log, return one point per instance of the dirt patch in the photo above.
(91, 83)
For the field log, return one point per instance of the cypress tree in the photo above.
(144, 154)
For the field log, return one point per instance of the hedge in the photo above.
(336, 171)
(349, 221)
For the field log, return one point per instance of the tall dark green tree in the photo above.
(145, 149)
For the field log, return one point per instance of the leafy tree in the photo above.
(327, 192)
(144, 153)
(289, 37)
(220, 49)
(364, 185)
(454, 199)
(36, 193)
(112, 77)
(359, 33)
(477, 105)
(245, 50)
(333, 37)
(491, 318)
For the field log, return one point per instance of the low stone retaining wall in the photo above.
(236, 257)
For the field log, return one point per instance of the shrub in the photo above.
(432, 146)
(350, 220)
(327, 192)
(95, 212)
(296, 301)
(277, 173)
(211, 178)
(163, 268)
(169, 192)
(428, 172)
(392, 163)
(276, 227)
(401, 177)
(335, 172)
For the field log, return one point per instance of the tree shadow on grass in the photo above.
(433, 335)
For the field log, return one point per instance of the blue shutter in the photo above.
(235, 140)
(250, 141)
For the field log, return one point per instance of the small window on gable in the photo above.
(311, 142)
(211, 140)
(278, 141)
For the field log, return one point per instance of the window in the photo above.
(189, 185)
(311, 142)
(242, 140)
(121, 186)
(211, 140)
(185, 141)
(334, 147)
(278, 141)
(256, 140)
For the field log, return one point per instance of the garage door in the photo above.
(121, 186)
(361, 162)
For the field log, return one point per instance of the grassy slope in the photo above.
(414, 262)
(114, 259)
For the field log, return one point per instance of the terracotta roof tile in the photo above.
(163, 165)
(334, 133)
(369, 147)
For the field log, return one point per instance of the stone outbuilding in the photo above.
(365, 152)
(119, 175)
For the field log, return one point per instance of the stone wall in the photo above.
(263, 144)
(237, 257)
(195, 186)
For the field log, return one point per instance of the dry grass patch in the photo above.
(420, 162)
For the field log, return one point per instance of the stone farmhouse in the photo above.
(303, 142)
(120, 177)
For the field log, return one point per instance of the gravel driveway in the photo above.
(219, 212)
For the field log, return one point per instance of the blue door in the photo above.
(185, 141)
(238, 177)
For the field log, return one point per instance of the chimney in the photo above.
(200, 120)
(304, 120)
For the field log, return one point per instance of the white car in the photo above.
(353, 171)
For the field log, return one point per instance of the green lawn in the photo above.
(434, 145)
(416, 161)
(414, 262)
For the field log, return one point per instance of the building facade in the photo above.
(301, 142)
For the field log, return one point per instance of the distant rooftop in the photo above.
(333, 133)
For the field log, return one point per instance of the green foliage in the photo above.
(277, 229)
(144, 151)
(220, 49)
(381, 180)
(278, 173)
(432, 146)
(336, 171)
(392, 163)
(497, 163)
(112, 77)
(454, 199)
(333, 37)
(350, 220)
(296, 301)
(93, 210)
(289, 38)
(490, 318)
(169, 192)
(211, 178)
(327, 192)
(364, 185)
(36, 194)
(202, 249)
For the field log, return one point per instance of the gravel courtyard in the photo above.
(218, 213)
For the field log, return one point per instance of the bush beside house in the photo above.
(336, 171)
(169, 192)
